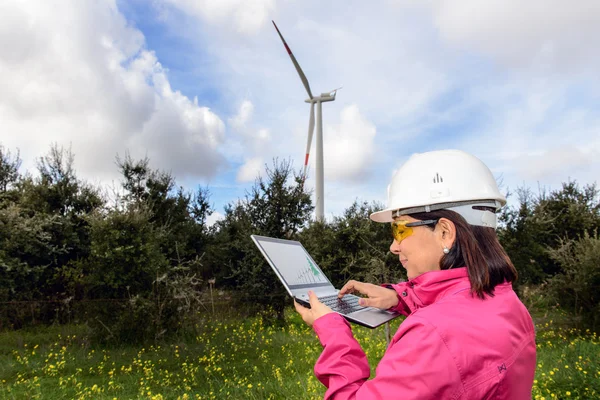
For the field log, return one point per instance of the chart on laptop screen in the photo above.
(293, 264)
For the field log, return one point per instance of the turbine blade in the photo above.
(311, 129)
(302, 76)
(334, 91)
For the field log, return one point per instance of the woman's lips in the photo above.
(403, 262)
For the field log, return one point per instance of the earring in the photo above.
(446, 250)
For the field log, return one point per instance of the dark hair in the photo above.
(478, 249)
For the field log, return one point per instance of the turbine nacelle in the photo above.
(323, 98)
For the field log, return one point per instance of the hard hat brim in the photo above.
(383, 216)
(387, 215)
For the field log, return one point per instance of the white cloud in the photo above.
(251, 169)
(422, 74)
(506, 80)
(76, 73)
(348, 146)
(244, 115)
(263, 134)
(531, 135)
(213, 218)
(247, 16)
(550, 32)
(248, 140)
(545, 165)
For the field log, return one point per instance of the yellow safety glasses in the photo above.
(402, 229)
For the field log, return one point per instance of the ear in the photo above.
(446, 231)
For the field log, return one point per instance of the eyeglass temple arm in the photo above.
(419, 223)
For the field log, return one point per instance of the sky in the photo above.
(206, 90)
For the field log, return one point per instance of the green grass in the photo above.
(238, 360)
(568, 361)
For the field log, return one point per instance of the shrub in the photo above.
(174, 306)
(577, 286)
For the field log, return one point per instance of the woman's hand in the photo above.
(378, 297)
(316, 310)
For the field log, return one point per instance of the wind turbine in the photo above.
(312, 100)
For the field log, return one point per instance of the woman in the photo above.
(466, 335)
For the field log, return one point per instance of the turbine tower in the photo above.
(312, 100)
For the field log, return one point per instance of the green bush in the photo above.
(173, 307)
(577, 286)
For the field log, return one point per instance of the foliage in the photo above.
(519, 233)
(541, 222)
(125, 255)
(577, 286)
(45, 229)
(172, 309)
(9, 169)
(60, 241)
(23, 234)
(144, 253)
(182, 215)
(126, 262)
(277, 206)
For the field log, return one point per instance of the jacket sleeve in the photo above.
(402, 307)
(417, 363)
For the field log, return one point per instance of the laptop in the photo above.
(299, 273)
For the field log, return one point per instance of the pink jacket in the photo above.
(452, 345)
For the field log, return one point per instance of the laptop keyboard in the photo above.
(345, 305)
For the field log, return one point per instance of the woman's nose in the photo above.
(395, 247)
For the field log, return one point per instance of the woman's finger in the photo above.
(313, 299)
(376, 302)
(349, 287)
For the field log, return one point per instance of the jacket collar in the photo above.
(432, 286)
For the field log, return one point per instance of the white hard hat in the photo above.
(445, 179)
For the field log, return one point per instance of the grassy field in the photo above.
(239, 360)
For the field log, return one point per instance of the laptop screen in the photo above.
(292, 263)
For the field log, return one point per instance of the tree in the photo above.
(135, 174)
(543, 222)
(154, 299)
(569, 212)
(148, 250)
(577, 286)
(9, 168)
(181, 214)
(125, 254)
(519, 233)
(25, 248)
(58, 185)
(277, 206)
(47, 230)
(58, 193)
